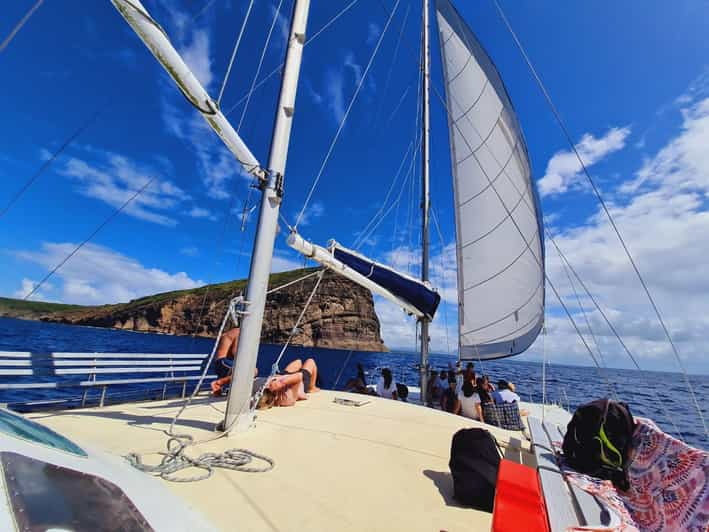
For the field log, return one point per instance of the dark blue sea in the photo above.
(568, 385)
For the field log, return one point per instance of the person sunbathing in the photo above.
(292, 386)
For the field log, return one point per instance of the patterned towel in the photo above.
(669, 484)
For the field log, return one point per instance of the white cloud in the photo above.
(215, 164)
(564, 170)
(373, 32)
(200, 212)
(99, 275)
(190, 251)
(27, 287)
(666, 225)
(284, 261)
(315, 210)
(196, 54)
(337, 80)
(114, 179)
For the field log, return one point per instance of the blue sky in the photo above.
(630, 79)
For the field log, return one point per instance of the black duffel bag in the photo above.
(598, 438)
(474, 463)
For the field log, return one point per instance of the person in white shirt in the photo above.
(505, 394)
(469, 402)
(386, 387)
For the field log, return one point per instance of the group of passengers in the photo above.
(459, 392)
(464, 393)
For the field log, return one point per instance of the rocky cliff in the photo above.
(341, 314)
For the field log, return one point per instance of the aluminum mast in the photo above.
(238, 413)
(426, 200)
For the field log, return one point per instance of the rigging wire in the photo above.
(276, 70)
(344, 117)
(88, 238)
(602, 203)
(443, 270)
(5, 43)
(611, 388)
(260, 64)
(391, 65)
(611, 327)
(236, 49)
(363, 234)
(46, 164)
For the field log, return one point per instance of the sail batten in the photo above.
(499, 241)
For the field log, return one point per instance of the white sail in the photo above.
(499, 241)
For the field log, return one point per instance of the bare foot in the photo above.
(314, 389)
(216, 389)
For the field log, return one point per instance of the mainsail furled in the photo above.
(499, 242)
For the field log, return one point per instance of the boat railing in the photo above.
(26, 377)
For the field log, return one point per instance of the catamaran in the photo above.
(336, 461)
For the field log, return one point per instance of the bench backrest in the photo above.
(568, 506)
(23, 370)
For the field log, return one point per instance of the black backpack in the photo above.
(598, 438)
(474, 463)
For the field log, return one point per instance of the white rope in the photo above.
(260, 64)
(233, 54)
(19, 25)
(174, 458)
(344, 117)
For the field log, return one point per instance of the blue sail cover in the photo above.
(411, 290)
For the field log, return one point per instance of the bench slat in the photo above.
(14, 372)
(130, 363)
(559, 502)
(103, 371)
(139, 381)
(125, 355)
(591, 511)
(21, 363)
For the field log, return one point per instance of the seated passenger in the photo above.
(482, 390)
(449, 401)
(435, 387)
(386, 387)
(505, 394)
(469, 402)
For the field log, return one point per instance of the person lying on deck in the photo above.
(292, 386)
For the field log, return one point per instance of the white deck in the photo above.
(382, 466)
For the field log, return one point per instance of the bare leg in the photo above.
(313, 369)
(294, 366)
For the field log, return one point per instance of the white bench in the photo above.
(90, 370)
(567, 505)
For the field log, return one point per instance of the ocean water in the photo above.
(650, 394)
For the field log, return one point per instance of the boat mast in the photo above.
(426, 201)
(238, 412)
